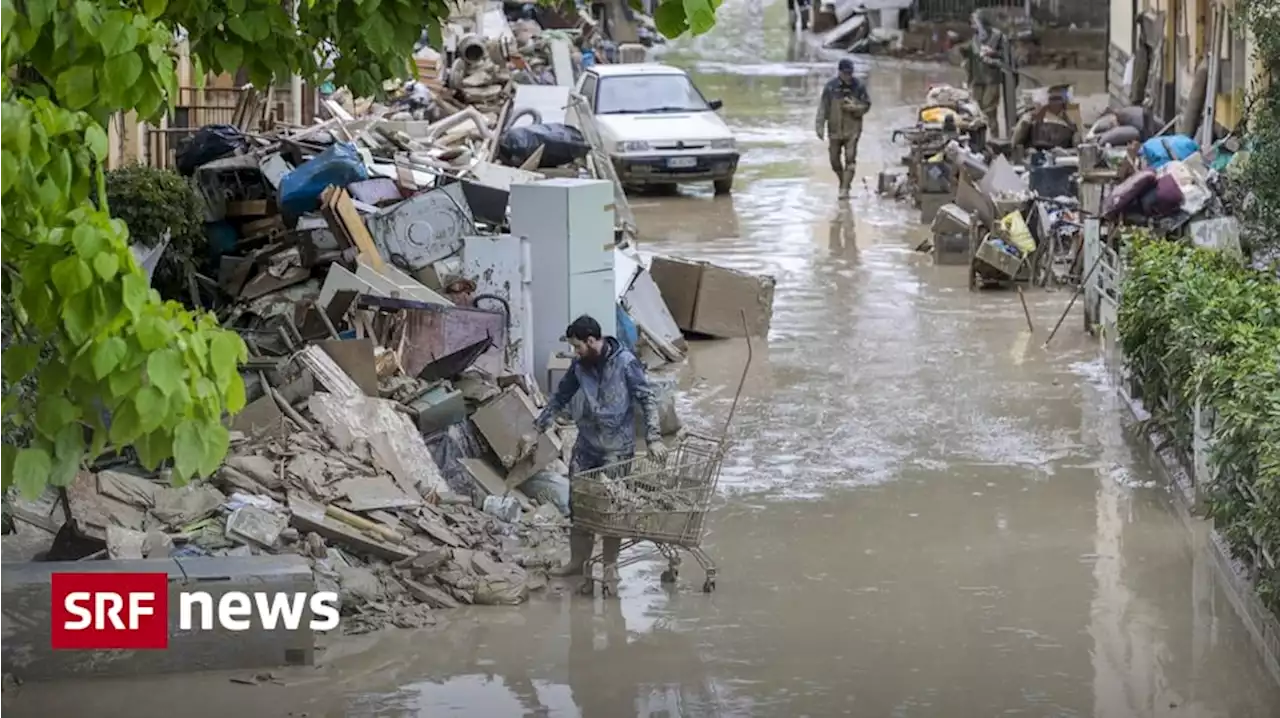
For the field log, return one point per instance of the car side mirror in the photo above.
(715, 105)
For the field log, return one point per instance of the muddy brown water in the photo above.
(924, 513)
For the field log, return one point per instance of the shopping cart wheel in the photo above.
(587, 588)
(709, 585)
(670, 575)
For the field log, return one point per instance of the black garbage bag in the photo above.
(563, 144)
(209, 143)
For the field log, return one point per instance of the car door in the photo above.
(587, 85)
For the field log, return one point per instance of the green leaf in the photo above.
(31, 469)
(153, 332)
(216, 441)
(700, 15)
(124, 70)
(107, 355)
(224, 350)
(88, 241)
(97, 141)
(126, 425)
(164, 370)
(76, 87)
(154, 8)
(238, 25)
(124, 382)
(20, 360)
(152, 406)
(188, 450)
(234, 398)
(136, 292)
(670, 18)
(106, 265)
(53, 412)
(228, 55)
(152, 449)
(68, 453)
(71, 276)
(120, 37)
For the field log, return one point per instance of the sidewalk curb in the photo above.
(1263, 626)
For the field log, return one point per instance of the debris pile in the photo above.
(369, 264)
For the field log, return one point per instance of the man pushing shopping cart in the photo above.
(612, 381)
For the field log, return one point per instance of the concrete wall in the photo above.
(26, 607)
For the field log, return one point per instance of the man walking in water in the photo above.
(844, 102)
(611, 381)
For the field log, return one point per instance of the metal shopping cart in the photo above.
(663, 502)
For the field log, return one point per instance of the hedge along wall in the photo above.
(1198, 329)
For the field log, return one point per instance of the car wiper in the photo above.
(674, 109)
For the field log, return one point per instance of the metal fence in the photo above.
(1094, 13)
(197, 107)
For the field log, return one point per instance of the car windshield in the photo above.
(638, 94)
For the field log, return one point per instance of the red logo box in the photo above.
(110, 611)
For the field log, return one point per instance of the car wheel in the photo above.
(724, 186)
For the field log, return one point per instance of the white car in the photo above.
(657, 128)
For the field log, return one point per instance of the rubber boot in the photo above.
(791, 19)
(846, 182)
(580, 545)
(612, 547)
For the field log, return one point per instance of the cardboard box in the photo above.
(707, 299)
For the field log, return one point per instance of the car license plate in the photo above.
(682, 162)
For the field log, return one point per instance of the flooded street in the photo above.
(924, 512)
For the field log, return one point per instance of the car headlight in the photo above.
(728, 144)
(633, 146)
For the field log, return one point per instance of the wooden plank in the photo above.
(339, 210)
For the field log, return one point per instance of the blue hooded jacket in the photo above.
(605, 414)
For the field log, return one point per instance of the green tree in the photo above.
(113, 365)
(1259, 178)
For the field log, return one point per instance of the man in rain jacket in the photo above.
(983, 70)
(844, 102)
(609, 381)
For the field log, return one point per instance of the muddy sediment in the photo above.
(924, 513)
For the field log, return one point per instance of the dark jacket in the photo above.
(841, 108)
(609, 391)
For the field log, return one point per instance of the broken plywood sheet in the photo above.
(262, 417)
(507, 424)
(391, 282)
(485, 476)
(346, 419)
(369, 493)
(643, 301)
(340, 279)
(354, 357)
(328, 373)
(93, 512)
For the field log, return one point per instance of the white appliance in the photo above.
(568, 225)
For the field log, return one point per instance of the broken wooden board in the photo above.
(485, 476)
(398, 448)
(346, 223)
(310, 516)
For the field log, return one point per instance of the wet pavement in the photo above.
(924, 512)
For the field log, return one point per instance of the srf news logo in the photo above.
(111, 611)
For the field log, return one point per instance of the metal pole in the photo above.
(1074, 296)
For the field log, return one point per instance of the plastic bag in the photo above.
(1017, 232)
(563, 144)
(209, 143)
(340, 165)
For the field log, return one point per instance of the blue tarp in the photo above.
(1157, 150)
